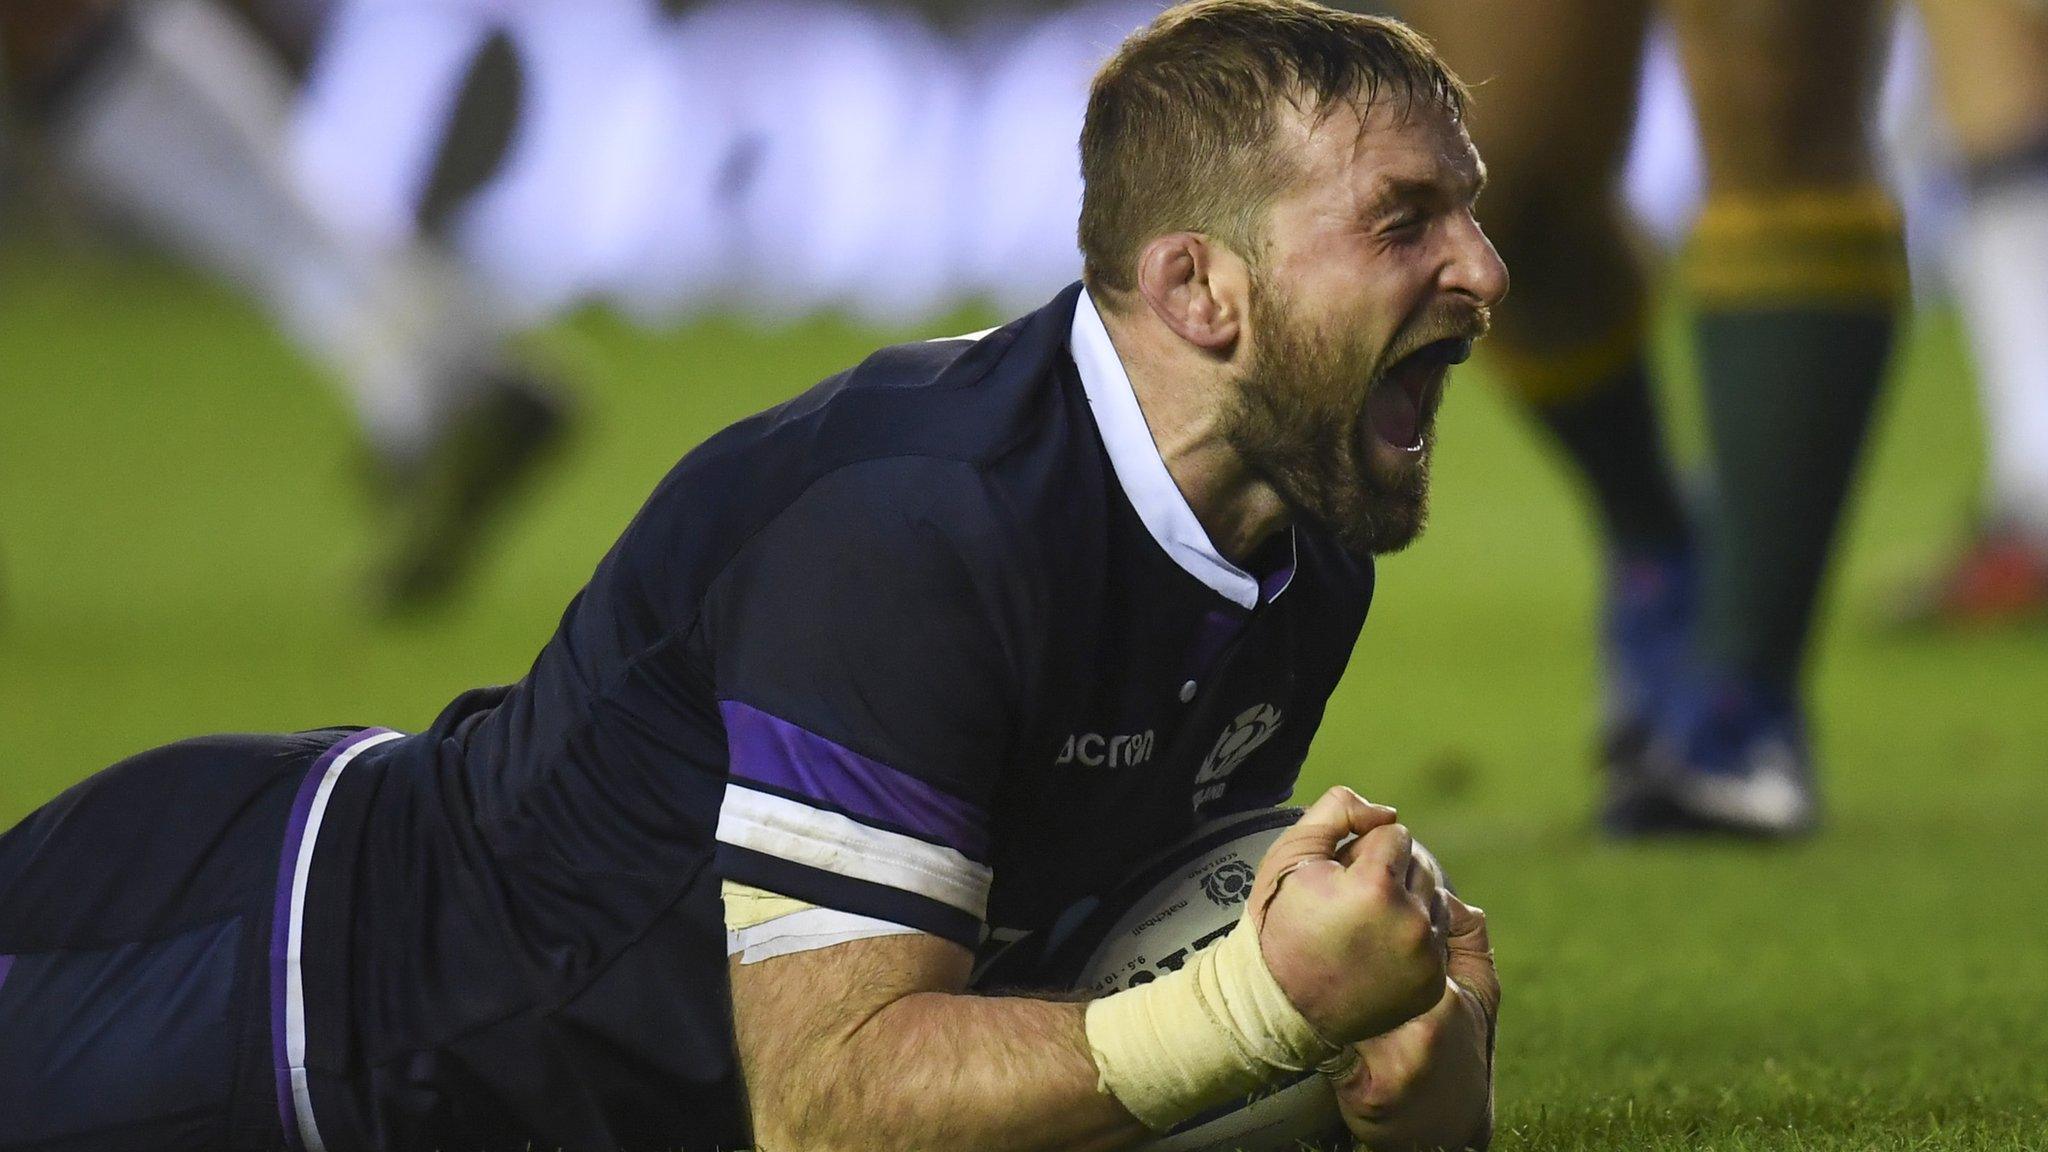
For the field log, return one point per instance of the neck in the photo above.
(1185, 399)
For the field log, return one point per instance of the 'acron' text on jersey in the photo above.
(1094, 750)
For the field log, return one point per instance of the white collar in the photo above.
(1141, 471)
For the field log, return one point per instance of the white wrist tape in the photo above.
(1213, 1031)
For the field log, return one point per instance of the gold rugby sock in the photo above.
(1796, 296)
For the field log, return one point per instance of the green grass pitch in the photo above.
(180, 525)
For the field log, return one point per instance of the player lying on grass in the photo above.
(905, 665)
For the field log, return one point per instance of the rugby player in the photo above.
(1795, 271)
(1991, 67)
(903, 666)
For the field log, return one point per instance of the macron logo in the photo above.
(1093, 750)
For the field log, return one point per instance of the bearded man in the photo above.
(901, 667)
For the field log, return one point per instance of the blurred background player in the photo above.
(1794, 271)
(170, 116)
(1990, 62)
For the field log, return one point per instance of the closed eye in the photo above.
(1405, 227)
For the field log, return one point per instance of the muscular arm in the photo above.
(873, 1044)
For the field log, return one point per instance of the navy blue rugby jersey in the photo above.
(937, 643)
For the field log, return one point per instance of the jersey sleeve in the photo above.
(869, 648)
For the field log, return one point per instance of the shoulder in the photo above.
(904, 550)
(920, 450)
(901, 510)
(970, 397)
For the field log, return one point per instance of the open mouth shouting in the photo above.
(1402, 406)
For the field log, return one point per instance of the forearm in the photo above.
(867, 1045)
(874, 1043)
(926, 1069)
(939, 1071)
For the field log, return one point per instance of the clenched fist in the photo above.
(1429, 1082)
(1354, 933)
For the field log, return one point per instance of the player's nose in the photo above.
(1476, 269)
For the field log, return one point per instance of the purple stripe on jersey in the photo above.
(281, 923)
(772, 751)
(6, 966)
(1275, 582)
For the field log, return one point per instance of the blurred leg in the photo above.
(1554, 87)
(1797, 269)
(1991, 65)
(377, 103)
(478, 134)
(1554, 92)
(180, 128)
(1553, 103)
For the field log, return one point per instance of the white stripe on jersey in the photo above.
(796, 832)
(294, 978)
(805, 931)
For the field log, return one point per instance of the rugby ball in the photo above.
(1187, 897)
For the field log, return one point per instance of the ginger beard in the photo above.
(1341, 429)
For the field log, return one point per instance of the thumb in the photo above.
(1337, 815)
(1471, 955)
(1468, 926)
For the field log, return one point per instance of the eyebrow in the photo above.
(1396, 190)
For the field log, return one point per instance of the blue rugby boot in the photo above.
(1731, 757)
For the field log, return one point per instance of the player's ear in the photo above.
(1196, 287)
